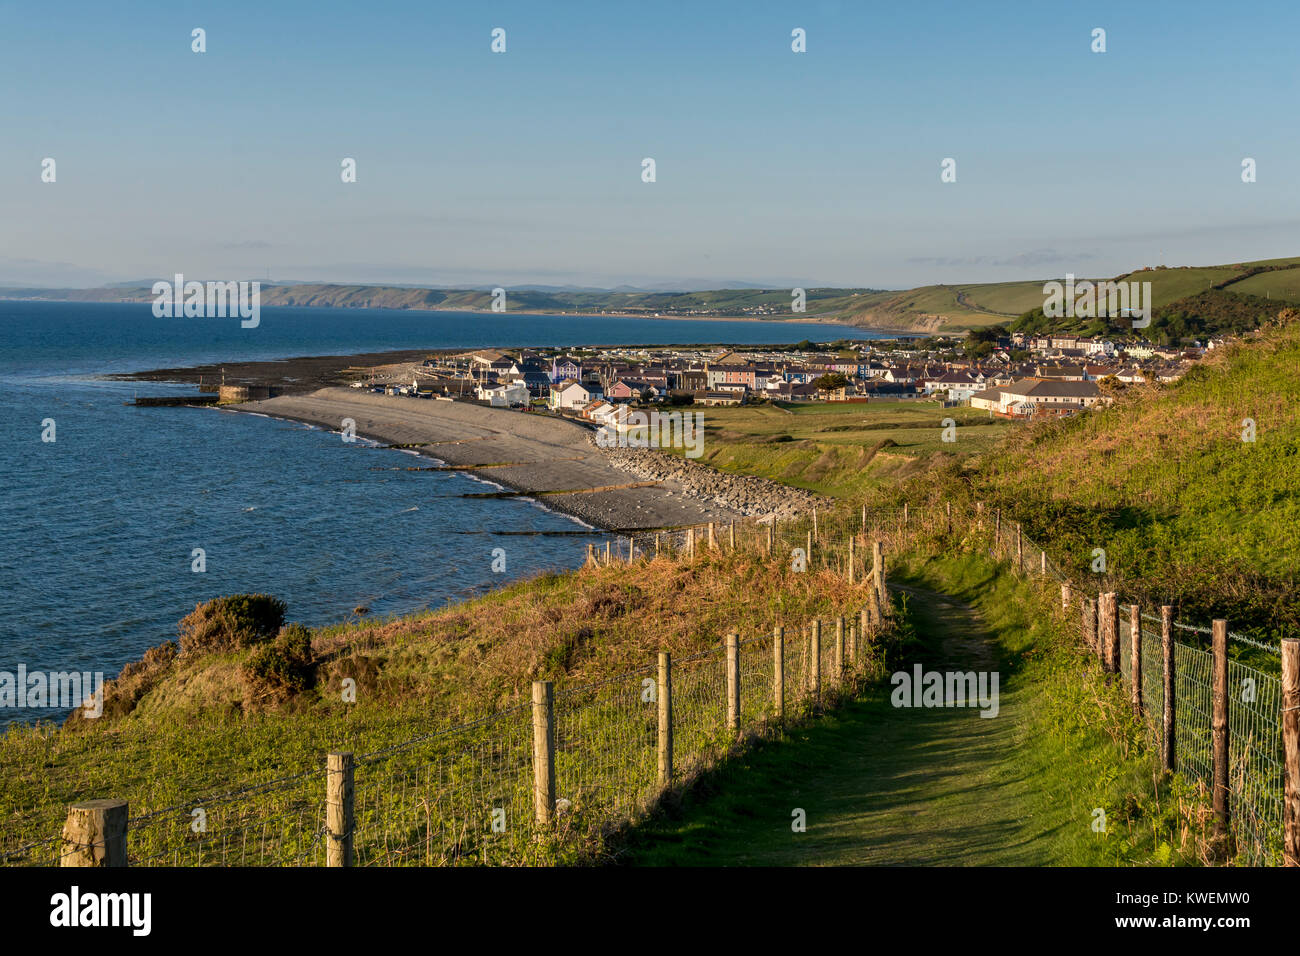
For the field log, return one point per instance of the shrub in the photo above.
(137, 678)
(281, 669)
(231, 623)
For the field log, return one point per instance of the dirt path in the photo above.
(880, 785)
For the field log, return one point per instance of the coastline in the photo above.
(549, 460)
(791, 319)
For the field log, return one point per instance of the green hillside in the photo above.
(1186, 510)
(1211, 297)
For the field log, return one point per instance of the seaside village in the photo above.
(1021, 377)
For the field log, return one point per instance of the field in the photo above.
(1283, 285)
(842, 449)
(1005, 298)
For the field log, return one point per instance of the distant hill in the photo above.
(752, 303)
(1189, 301)
(1211, 299)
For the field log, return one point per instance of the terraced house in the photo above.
(1037, 397)
(563, 367)
(723, 375)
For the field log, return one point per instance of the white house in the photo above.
(504, 395)
(570, 395)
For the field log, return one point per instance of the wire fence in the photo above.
(1256, 761)
(468, 795)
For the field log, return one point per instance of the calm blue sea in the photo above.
(97, 528)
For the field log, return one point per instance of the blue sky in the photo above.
(820, 168)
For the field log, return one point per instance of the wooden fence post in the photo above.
(851, 560)
(1168, 739)
(771, 536)
(864, 518)
(712, 543)
(878, 574)
(816, 655)
(1112, 608)
(904, 512)
(948, 508)
(1135, 657)
(809, 551)
(665, 718)
(1219, 735)
(839, 652)
(1042, 562)
(607, 553)
(1100, 629)
(339, 820)
(733, 682)
(852, 640)
(1089, 624)
(657, 536)
(731, 534)
(1020, 549)
(778, 671)
(1065, 597)
(1291, 751)
(543, 751)
(94, 834)
(814, 527)
(997, 531)
(690, 542)
(1105, 618)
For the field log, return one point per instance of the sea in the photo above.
(100, 528)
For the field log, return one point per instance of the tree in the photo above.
(829, 381)
(981, 342)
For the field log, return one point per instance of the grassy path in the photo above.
(880, 785)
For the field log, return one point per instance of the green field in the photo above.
(1283, 285)
(843, 449)
(1005, 298)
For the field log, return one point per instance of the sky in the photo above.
(772, 167)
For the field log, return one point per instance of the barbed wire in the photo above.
(605, 730)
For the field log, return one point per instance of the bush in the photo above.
(282, 669)
(122, 693)
(231, 623)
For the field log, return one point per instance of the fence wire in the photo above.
(467, 795)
